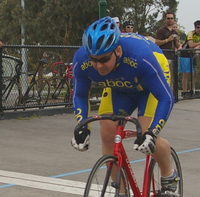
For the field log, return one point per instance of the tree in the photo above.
(62, 22)
(148, 14)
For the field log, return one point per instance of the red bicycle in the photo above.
(61, 85)
(100, 182)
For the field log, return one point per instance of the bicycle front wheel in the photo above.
(59, 90)
(100, 182)
(37, 93)
(155, 176)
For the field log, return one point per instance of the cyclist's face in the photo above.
(104, 64)
(129, 29)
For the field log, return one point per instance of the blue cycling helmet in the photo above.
(101, 37)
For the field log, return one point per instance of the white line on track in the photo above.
(41, 182)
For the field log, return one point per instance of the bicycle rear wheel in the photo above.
(100, 183)
(155, 175)
(59, 90)
(11, 93)
(37, 93)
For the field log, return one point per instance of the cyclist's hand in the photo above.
(81, 140)
(148, 146)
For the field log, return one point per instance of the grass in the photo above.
(28, 118)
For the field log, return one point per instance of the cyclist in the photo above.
(128, 26)
(135, 74)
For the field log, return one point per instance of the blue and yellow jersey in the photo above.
(141, 66)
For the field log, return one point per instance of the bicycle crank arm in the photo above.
(171, 193)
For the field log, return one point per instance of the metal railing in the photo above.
(18, 66)
(26, 78)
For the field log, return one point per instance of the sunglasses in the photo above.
(129, 27)
(197, 27)
(103, 59)
(170, 18)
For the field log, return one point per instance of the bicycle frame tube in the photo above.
(131, 177)
(120, 152)
(147, 175)
(123, 159)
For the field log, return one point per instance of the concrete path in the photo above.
(37, 159)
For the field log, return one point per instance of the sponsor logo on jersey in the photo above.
(86, 65)
(78, 115)
(160, 125)
(130, 62)
(117, 83)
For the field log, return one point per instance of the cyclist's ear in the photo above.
(118, 51)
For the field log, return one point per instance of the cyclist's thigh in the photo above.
(113, 101)
(147, 105)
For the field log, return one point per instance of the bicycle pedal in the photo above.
(115, 185)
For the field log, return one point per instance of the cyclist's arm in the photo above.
(81, 88)
(157, 84)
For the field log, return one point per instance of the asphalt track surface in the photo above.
(37, 158)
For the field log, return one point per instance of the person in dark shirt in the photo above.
(168, 39)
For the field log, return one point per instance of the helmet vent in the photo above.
(112, 26)
(104, 27)
(90, 42)
(94, 27)
(99, 42)
(109, 42)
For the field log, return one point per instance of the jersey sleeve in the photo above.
(156, 82)
(81, 88)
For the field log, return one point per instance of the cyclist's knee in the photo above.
(162, 144)
(108, 129)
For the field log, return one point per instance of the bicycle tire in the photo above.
(100, 180)
(37, 93)
(59, 90)
(11, 94)
(155, 176)
(7, 68)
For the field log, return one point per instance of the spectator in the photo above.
(167, 38)
(175, 28)
(116, 19)
(184, 67)
(128, 26)
(1, 44)
(193, 38)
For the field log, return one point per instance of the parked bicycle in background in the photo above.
(37, 92)
(61, 84)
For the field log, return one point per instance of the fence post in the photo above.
(102, 8)
(191, 74)
(1, 84)
(175, 77)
